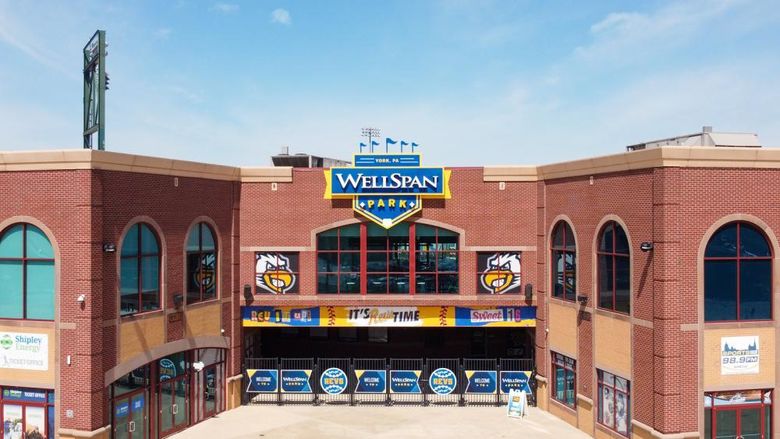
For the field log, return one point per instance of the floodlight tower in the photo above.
(370, 133)
(95, 86)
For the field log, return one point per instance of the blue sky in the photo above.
(473, 82)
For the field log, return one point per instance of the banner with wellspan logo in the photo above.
(24, 351)
(389, 316)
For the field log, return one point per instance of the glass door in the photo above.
(750, 423)
(181, 406)
(166, 407)
(130, 416)
(210, 391)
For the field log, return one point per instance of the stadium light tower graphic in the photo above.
(371, 133)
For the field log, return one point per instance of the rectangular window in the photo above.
(276, 273)
(564, 370)
(614, 402)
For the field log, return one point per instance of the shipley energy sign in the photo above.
(387, 188)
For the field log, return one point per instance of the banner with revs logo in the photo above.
(389, 316)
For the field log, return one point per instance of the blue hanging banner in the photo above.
(515, 379)
(333, 381)
(296, 380)
(405, 381)
(371, 381)
(262, 380)
(481, 381)
(442, 381)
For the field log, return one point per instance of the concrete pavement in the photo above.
(344, 422)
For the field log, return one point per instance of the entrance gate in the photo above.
(451, 381)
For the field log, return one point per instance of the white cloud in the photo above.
(225, 8)
(163, 33)
(281, 16)
(634, 34)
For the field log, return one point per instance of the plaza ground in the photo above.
(291, 421)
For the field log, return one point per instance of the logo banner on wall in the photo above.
(296, 380)
(515, 380)
(263, 380)
(405, 381)
(387, 188)
(371, 381)
(739, 355)
(481, 381)
(389, 316)
(24, 351)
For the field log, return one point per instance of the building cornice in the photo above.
(661, 157)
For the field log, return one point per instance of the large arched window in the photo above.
(201, 264)
(614, 269)
(139, 271)
(564, 262)
(406, 259)
(737, 274)
(26, 274)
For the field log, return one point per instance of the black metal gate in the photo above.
(334, 382)
(443, 384)
(404, 381)
(370, 381)
(480, 381)
(416, 381)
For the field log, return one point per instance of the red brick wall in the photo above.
(286, 217)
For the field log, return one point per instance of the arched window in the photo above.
(201, 264)
(614, 269)
(738, 274)
(139, 271)
(564, 262)
(26, 274)
(406, 259)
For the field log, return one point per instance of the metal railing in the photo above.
(387, 381)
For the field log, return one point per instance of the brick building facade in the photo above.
(643, 362)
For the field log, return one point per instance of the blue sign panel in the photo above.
(280, 316)
(495, 316)
(442, 381)
(405, 381)
(371, 381)
(263, 380)
(515, 379)
(481, 381)
(138, 402)
(380, 160)
(23, 395)
(296, 381)
(122, 409)
(387, 181)
(333, 381)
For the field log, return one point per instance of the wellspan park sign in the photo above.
(387, 188)
(389, 316)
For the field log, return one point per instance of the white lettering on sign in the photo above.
(487, 315)
(24, 351)
(392, 181)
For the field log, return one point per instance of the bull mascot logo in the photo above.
(273, 274)
(502, 273)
